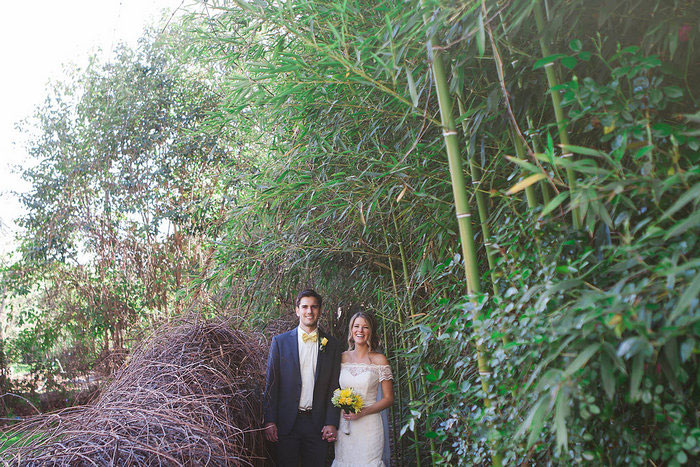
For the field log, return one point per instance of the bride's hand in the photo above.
(352, 416)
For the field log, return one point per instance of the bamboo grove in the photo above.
(511, 186)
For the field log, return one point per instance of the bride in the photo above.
(363, 370)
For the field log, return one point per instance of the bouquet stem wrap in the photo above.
(349, 401)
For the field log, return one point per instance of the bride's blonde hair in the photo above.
(373, 340)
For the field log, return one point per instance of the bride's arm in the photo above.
(386, 400)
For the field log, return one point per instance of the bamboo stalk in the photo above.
(476, 176)
(399, 316)
(407, 284)
(392, 409)
(553, 82)
(462, 207)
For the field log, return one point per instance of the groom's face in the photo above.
(308, 312)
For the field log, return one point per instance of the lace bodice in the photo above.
(364, 378)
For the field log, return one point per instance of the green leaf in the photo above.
(554, 203)
(561, 412)
(547, 60)
(633, 346)
(535, 420)
(524, 164)
(681, 226)
(687, 348)
(581, 359)
(569, 62)
(690, 294)
(636, 376)
(582, 150)
(607, 377)
(481, 36)
(412, 88)
(575, 45)
(693, 194)
(602, 212)
(673, 92)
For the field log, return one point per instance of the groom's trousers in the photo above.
(303, 443)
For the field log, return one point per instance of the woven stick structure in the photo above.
(190, 395)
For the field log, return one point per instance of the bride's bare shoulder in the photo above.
(345, 357)
(378, 358)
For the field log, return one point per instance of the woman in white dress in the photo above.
(363, 370)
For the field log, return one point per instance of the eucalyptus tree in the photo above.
(124, 183)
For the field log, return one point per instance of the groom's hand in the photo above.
(271, 432)
(329, 433)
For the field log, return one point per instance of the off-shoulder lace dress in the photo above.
(365, 444)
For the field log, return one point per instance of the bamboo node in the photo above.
(462, 216)
(449, 133)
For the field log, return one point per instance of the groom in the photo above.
(302, 373)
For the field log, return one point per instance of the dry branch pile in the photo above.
(188, 396)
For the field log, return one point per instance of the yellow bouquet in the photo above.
(348, 400)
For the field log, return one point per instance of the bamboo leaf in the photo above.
(547, 60)
(688, 223)
(561, 412)
(607, 377)
(636, 376)
(524, 164)
(412, 87)
(481, 36)
(537, 421)
(690, 294)
(691, 195)
(581, 359)
(556, 201)
(401, 195)
(525, 183)
(582, 150)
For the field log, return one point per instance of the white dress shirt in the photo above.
(308, 354)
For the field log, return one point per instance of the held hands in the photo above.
(329, 433)
(271, 432)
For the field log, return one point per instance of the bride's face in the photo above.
(361, 331)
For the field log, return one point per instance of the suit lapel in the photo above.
(294, 350)
(320, 358)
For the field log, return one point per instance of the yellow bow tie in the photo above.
(309, 337)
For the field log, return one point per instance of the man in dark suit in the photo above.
(302, 372)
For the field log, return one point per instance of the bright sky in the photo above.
(36, 38)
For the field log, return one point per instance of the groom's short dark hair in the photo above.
(309, 293)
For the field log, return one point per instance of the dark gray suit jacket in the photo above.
(283, 382)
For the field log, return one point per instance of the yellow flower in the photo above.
(324, 341)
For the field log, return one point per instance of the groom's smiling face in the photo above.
(308, 312)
